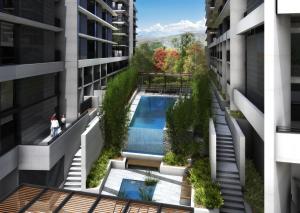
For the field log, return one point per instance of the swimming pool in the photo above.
(151, 112)
(146, 127)
(136, 190)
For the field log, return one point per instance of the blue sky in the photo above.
(169, 17)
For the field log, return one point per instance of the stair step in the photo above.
(234, 205)
(72, 184)
(73, 188)
(230, 192)
(228, 210)
(76, 164)
(222, 138)
(77, 160)
(226, 155)
(74, 174)
(220, 151)
(227, 175)
(73, 168)
(229, 181)
(74, 179)
(235, 199)
(226, 159)
(225, 146)
(235, 187)
(227, 172)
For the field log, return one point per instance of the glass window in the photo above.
(7, 95)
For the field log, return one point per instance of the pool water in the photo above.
(133, 189)
(146, 128)
(151, 112)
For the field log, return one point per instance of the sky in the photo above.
(157, 18)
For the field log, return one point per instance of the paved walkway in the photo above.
(227, 170)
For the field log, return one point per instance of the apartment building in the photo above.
(55, 57)
(252, 47)
(125, 21)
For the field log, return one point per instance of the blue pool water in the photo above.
(151, 112)
(146, 128)
(130, 189)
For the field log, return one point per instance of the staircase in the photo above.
(227, 170)
(73, 181)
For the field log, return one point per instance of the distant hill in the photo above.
(167, 40)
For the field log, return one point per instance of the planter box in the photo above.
(118, 164)
(172, 170)
(201, 210)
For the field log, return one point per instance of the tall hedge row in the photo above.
(115, 107)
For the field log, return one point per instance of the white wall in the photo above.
(287, 147)
(288, 6)
(45, 157)
(92, 142)
(212, 150)
(250, 111)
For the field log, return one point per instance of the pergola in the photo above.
(29, 198)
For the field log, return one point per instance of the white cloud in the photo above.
(158, 30)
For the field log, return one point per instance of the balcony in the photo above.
(287, 145)
(288, 6)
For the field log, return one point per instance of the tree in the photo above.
(159, 58)
(142, 60)
(171, 61)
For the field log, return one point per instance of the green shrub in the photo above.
(254, 189)
(202, 106)
(115, 107)
(99, 168)
(172, 159)
(207, 193)
(237, 114)
(179, 120)
(150, 180)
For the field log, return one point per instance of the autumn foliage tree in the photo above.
(165, 60)
(159, 57)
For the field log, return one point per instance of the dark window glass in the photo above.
(7, 47)
(255, 68)
(7, 134)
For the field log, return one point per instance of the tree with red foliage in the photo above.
(159, 57)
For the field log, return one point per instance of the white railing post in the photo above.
(213, 149)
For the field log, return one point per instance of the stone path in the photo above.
(227, 170)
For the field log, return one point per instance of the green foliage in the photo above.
(99, 168)
(142, 60)
(172, 159)
(179, 120)
(202, 105)
(254, 189)
(150, 180)
(115, 107)
(207, 193)
(237, 114)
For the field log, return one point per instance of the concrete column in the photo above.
(224, 68)
(237, 49)
(71, 60)
(277, 106)
(131, 27)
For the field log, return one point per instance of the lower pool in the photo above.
(136, 190)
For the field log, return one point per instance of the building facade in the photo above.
(252, 48)
(54, 56)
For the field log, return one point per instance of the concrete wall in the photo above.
(12, 72)
(92, 142)
(250, 111)
(213, 149)
(239, 142)
(9, 162)
(288, 6)
(287, 147)
(172, 170)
